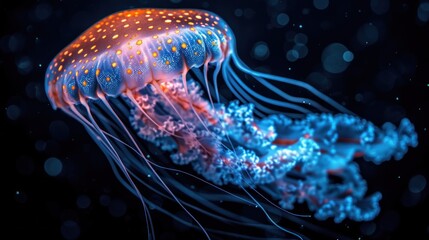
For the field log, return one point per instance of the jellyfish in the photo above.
(181, 118)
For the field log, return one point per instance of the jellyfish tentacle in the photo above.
(280, 151)
(286, 105)
(108, 147)
(391, 141)
(243, 67)
(138, 65)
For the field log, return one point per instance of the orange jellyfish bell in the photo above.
(131, 48)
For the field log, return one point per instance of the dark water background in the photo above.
(383, 77)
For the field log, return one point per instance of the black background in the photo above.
(35, 31)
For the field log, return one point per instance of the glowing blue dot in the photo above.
(321, 4)
(423, 12)
(380, 6)
(417, 184)
(261, 51)
(282, 19)
(21, 197)
(53, 166)
(70, 230)
(292, 55)
(348, 56)
(367, 34)
(333, 58)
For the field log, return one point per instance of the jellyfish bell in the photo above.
(143, 81)
(127, 50)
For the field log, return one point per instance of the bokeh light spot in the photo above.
(117, 208)
(43, 11)
(104, 200)
(321, 4)
(83, 201)
(13, 112)
(300, 38)
(24, 65)
(417, 183)
(53, 166)
(423, 12)
(348, 56)
(368, 228)
(292, 55)
(70, 230)
(367, 34)
(261, 51)
(380, 6)
(333, 58)
(282, 19)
